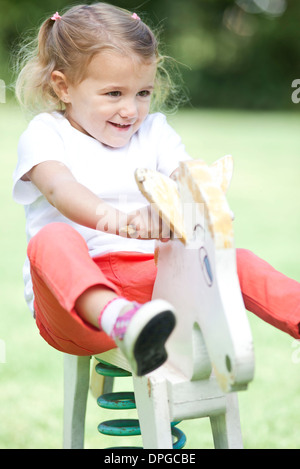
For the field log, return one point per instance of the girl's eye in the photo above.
(114, 94)
(117, 94)
(144, 93)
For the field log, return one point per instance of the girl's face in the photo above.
(113, 100)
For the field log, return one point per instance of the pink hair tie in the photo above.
(135, 17)
(56, 16)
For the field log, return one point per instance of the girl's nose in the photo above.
(128, 109)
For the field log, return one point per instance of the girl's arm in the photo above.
(76, 202)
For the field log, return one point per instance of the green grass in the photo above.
(264, 196)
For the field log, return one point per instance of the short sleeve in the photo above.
(170, 148)
(40, 142)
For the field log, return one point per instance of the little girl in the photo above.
(90, 268)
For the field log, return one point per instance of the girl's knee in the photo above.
(52, 235)
(243, 257)
(242, 253)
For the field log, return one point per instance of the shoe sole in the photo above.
(149, 350)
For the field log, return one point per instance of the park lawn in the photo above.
(264, 197)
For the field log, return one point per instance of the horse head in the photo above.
(196, 272)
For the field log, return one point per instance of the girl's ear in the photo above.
(60, 85)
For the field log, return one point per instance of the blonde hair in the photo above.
(68, 45)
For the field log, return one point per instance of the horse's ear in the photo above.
(222, 170)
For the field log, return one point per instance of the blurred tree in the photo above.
(235, 53)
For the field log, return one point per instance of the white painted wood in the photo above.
(115, 357)
(151, 398)
(99, 384)
(76, 385)
(226, 427)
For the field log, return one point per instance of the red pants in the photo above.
(62, 269)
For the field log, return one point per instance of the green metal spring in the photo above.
(126, 400)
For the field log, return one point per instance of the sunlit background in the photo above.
(241, 54)
(239, 64)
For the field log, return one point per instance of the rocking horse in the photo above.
(210, 352)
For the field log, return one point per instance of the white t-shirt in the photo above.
(107, 172)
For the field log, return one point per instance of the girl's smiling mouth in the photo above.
(121, 126)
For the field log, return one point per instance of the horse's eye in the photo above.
(206, 267)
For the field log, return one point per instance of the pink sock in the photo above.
(110, 313)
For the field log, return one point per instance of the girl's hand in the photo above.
(145, 223)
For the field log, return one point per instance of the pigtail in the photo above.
(48, 60)
(44, 44)
(36, 63)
